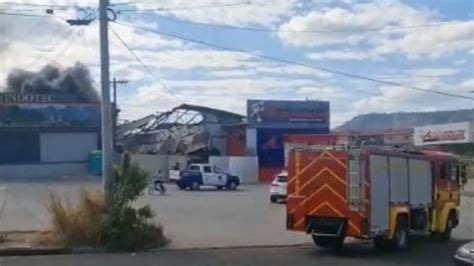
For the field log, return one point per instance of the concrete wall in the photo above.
(246, 168)
(40, 171)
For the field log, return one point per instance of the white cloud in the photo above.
(256, 85)
(356, 17)
(433, 42)
(194, 58)
(460, 62)
(467, 85)
(256, 12)
(322, 93)
(272, 70)
(344, 55)
(433, 72)
(393, 98)
(228, 94)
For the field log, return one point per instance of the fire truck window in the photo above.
(454, 172)
(443, 171)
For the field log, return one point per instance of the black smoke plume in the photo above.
(75, 80)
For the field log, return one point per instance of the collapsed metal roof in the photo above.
(182, 130)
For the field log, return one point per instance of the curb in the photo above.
(23, 252)
(231, 247)
(6, 252)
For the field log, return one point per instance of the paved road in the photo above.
(208, 218)
(213, 218)
(355, 254)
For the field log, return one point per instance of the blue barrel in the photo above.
(95, 163)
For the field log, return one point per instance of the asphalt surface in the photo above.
(423, 252)
(191, 219)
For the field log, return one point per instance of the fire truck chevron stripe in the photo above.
(337, 160)
(325, 169)
(325, 186)
(317, 159)
(293, 178)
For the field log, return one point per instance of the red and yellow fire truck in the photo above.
(338, 188)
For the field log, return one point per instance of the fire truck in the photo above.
(339, 187)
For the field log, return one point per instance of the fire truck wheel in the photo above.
(328, 242)
(446, 235)
(380, 243)
(401, 236)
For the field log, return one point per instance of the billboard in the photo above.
(47, 110)
(444, 134)
(288, 114)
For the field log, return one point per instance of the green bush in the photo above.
(119, 226)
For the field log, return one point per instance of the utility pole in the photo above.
(116, 82)
(106, 121)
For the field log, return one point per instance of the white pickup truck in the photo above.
(198, 175)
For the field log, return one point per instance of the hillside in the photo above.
(375, 121)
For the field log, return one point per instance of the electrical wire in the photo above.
(69, 43)
(231, 27)
(290, 62)
(144, 65)
(24, 15)
(36, 5)
(188, 7)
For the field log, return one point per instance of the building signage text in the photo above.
(14, 98)
(444, 134)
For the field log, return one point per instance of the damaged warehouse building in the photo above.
(193, 131)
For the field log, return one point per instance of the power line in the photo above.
(289, 62)
(24, 15)
(231, 27)
(36, 5)
(189, 7)
(144, 65)
(70, 41)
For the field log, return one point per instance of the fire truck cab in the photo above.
(372, 192)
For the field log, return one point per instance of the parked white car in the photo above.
(278, 187)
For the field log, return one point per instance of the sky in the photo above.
(427, 44)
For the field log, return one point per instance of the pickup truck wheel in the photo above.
(195, 186)
(219, 187)
(232, 185)
(182, 187)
